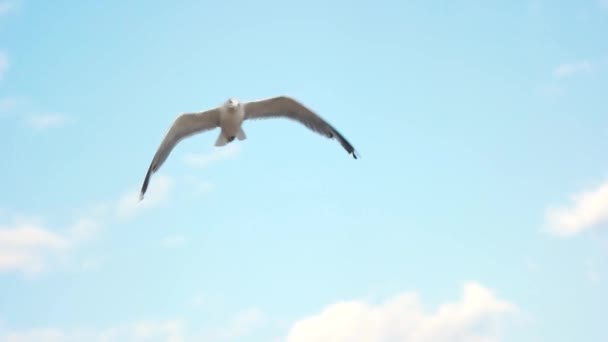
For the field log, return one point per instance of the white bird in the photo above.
(229, 118)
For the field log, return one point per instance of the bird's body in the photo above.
(230, 116)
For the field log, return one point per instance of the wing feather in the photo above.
(183, 126)
(287, 107)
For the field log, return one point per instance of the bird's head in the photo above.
(232, 103)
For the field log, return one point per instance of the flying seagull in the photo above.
(229, 118)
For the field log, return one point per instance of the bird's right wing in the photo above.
(184, 126)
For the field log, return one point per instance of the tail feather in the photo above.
(241, 134)
(221, 140)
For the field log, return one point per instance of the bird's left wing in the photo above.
(185, 125)
(286, 107)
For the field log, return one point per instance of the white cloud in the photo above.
(246, 323)
(173, 241)
(27, 246)
(587, 210)
(83, 229)
(44, 121)
(218, 153)
(23, 109)
(164, 330)
(161, 185)
(41, 335)
(243, 324)
(474, 318)
(4, 64)
(23, 246)
(565, 70)
(172, 330)
(28, 235)
(157, 194)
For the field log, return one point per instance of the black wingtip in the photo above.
(144, 186)
(350, 149)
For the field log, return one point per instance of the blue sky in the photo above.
(476, 213)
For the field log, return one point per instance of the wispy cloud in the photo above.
(173, 241)
(22, 109)
(217, 154)
(171, 330)
(161, 186)
(550, 90)
(571, 69)
(591, 272)
(198, 300)
(243, 324)
(27, 245)
(92, 263)
(587, 210)
(44, 121)
(403, 318)
(4, 64)
(532, 264)
(7, 105)
(199, 186)
(158, 194)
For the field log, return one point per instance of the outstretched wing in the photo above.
(184, 126)
(286, 107)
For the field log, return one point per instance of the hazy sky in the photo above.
(477, 211)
